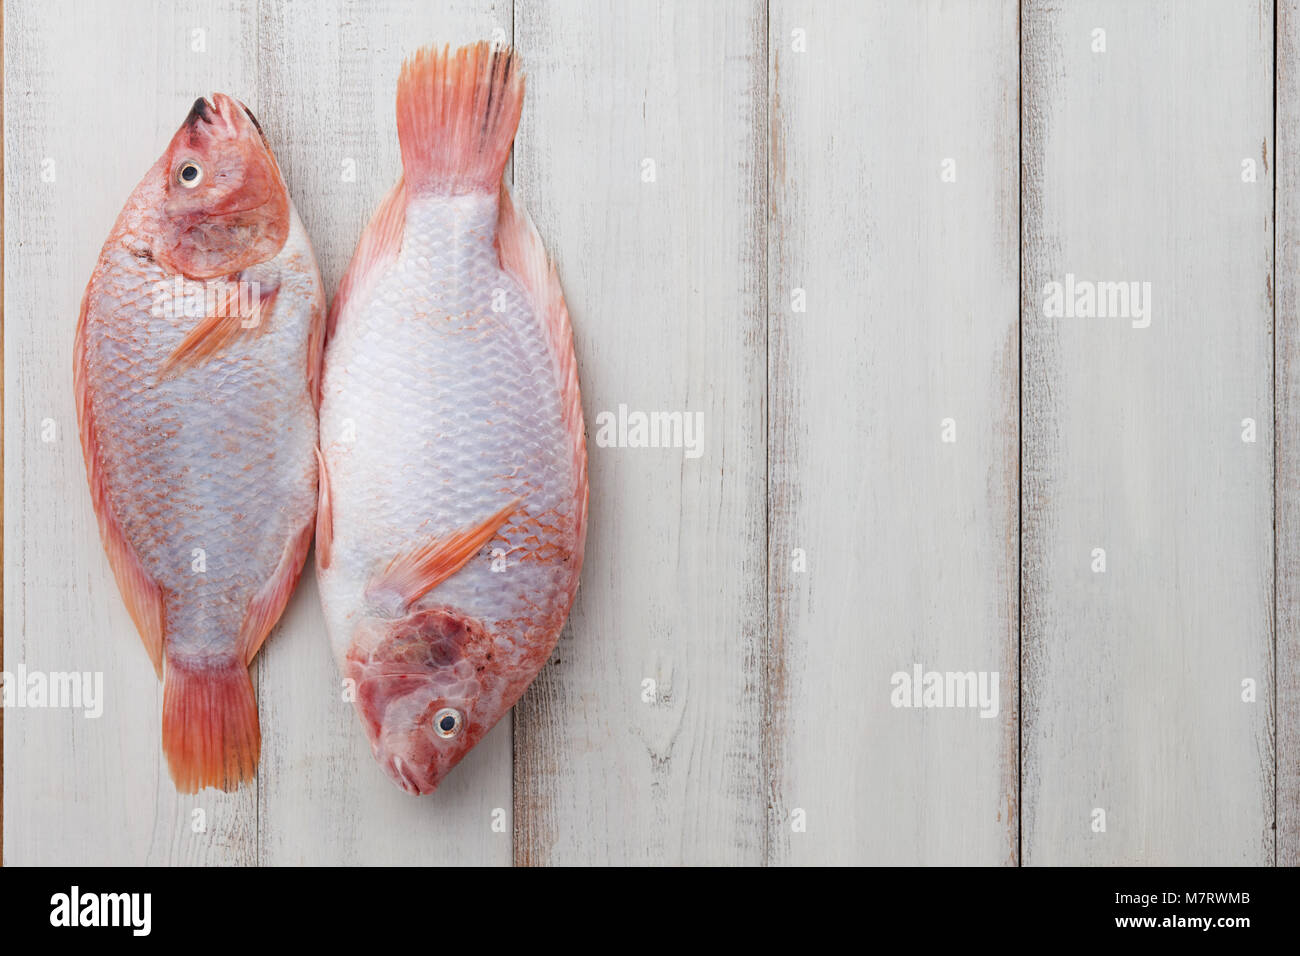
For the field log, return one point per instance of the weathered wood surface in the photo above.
(803, 221)
(1286, 447)
(1136, 164)
(893, 430)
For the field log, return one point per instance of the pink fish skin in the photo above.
(453, 512)
(196, 373)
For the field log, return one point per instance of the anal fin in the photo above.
(269, 603)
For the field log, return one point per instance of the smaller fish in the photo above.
(196, 372)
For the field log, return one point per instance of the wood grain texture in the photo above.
(910, 285)
(796, 145)
(1287, 448)
(1133, 437)
(2, 442)
(664, 281)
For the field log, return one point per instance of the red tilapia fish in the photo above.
(454, 476)
(196, 371)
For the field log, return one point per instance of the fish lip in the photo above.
(397, 770)
(397, 767)
(222, 114)
(200, 112)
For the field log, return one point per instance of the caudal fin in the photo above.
(456, 117)
(210, 732)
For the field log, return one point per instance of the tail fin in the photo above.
(456, 118)
(209, 731)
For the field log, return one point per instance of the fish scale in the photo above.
(437, 408)
(454, 493)
(195, 461)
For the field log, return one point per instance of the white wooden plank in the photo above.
(771, 696)
(664, 281)
(1133, 436)
(1287, 472)
(909, 540)
(97, 90)
(2, 444)
(328, 76)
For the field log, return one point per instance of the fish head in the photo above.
(225, 206)
(427, 690)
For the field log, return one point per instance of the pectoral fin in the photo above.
(324, 514)
(410, 576)
(225, 322)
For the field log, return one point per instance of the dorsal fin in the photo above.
(524, 257)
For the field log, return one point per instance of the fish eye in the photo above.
(447, 723)
(189, 174)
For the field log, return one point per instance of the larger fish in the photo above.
(197, 363)
(454, 488)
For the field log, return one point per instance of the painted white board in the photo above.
(893, 436)
(1137, 166)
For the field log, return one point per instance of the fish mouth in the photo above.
(410, 754)
(222, 115)
(407, 777)
(200, 112)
